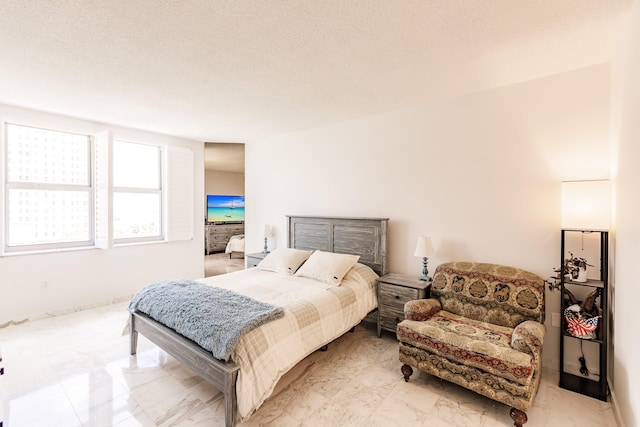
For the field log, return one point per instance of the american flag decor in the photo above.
(581, 327)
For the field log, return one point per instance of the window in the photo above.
(67, 190)
(137, 192)
(48, 189)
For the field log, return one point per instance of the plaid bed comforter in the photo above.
(315, 314)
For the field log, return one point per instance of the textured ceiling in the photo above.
(236, 71)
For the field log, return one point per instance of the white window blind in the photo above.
(180, 193)
(103, 189)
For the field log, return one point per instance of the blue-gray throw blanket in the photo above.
(215, 318)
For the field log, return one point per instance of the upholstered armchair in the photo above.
(482, 329)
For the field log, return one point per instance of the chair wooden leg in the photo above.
(407, 371)
(519, 417)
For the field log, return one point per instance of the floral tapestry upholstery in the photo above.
(482, 329)
(489, 293)
(481, 345)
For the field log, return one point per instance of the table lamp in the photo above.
(424, 250)
(266, 233)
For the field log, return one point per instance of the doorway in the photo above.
(224, 176)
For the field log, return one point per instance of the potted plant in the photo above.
(576, 268)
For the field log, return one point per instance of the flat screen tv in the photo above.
(225, 208)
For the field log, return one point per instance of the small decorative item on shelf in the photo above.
(576, 268)
(582, 319)
(580, 324)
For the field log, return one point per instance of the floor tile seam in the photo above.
(7, 417)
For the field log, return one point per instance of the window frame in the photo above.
(8, 185)
(177, 180)
(141, 190)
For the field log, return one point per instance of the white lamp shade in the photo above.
(266, 231)
(424, 249)
(585, 205)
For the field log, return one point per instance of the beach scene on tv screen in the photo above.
(225, 208)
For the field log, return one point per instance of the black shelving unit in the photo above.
(586, 384)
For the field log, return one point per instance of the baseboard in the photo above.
(615, 407)
(62, 312)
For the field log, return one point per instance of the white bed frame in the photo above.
(366, 237)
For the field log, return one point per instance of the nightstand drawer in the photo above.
(394, 290)
(226, 231)
(217, 237)
(254, 259)
(391, 304)
(390, 322)
(393, 298)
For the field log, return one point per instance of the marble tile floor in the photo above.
(75, 370)
(221, 263)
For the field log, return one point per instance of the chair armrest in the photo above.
(528, 337)
(421, 309)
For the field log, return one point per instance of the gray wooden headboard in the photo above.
(366, 237)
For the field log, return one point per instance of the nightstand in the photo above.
(254, 259)
(394, 290)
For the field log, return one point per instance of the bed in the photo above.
(246, 381)
(235, 246)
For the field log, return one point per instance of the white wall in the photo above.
(626, 132)
(479, 174)
(225, 183)
(33, 285)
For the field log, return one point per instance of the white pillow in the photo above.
(284, 260)
(362, 274)
(327, 267)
